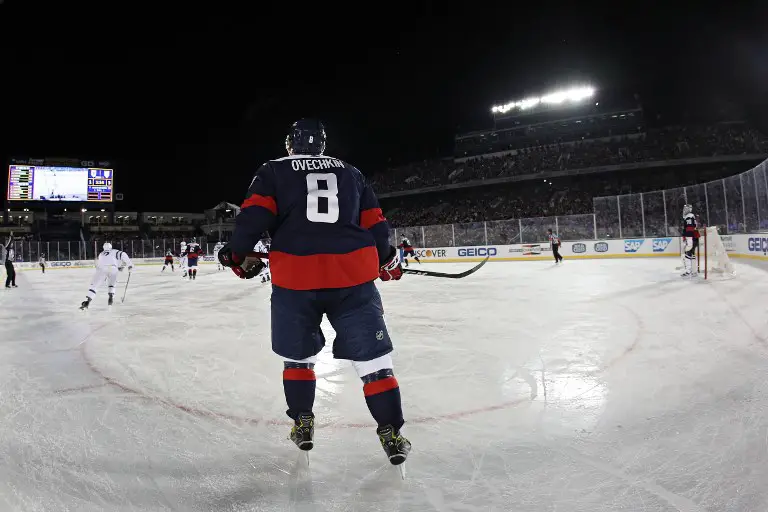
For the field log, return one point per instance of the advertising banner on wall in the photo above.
(641, 247)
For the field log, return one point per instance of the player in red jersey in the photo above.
(330, 242)
(407, 248)
(168, 261)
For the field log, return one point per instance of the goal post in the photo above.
(712, 257)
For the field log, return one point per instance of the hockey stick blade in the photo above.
(443, 274)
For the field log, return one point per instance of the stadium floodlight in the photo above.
(569, 95)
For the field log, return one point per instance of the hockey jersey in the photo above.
(113, 258)
(689, 226)
(193, 251)
(323, 218)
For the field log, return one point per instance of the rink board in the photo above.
(56, 265)
(738, 246)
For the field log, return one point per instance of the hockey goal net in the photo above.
(712, 257)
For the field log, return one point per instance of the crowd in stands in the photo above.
(653, 145)
(563, 196)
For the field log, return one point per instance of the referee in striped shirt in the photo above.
(554, 242)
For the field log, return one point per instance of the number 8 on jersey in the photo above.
(330, 193)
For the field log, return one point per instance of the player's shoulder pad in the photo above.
(689, 216)
(263, 168)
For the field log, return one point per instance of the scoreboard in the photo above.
(59, 183)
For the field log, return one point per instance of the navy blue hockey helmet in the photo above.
(307, 137)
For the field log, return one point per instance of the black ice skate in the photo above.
(395, 445)
(303, 432)
(85, 304)
(111, 299)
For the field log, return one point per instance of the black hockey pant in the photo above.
(11, 279)
(556, 253)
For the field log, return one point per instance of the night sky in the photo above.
(187, 105)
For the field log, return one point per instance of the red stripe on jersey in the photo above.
(380, 386)
(298, 374)
(267, 202)
(371, 217)
(319, 271)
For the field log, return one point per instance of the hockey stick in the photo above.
(126, 287)
(429, 273)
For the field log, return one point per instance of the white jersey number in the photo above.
(314, 193)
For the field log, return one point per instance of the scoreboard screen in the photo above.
(54, 183)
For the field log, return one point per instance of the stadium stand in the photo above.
(658, 145)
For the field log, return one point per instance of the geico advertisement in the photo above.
(758, 244)
(474, 252)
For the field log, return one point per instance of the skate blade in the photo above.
(307, 454)
(401, 467)
(306, 445)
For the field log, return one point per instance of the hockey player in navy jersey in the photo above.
(192, 254)
(330, 242)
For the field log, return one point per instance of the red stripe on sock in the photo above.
(380, 386)
(298, 374)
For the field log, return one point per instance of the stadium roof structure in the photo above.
(225, 206)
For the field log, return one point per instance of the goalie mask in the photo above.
(687, 209)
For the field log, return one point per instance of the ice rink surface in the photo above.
(595, 386)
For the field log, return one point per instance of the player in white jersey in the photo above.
(263, 247)
(42, 262)
(108, 264)
(183, 259)
(216, 249)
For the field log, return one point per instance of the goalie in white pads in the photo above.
(183, 259)
(216, 249)
(690, 241)
(108, 264)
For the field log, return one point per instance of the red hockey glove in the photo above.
(244, 266)
(391, 270)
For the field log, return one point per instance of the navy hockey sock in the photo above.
(299, 386)
(382, 395)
